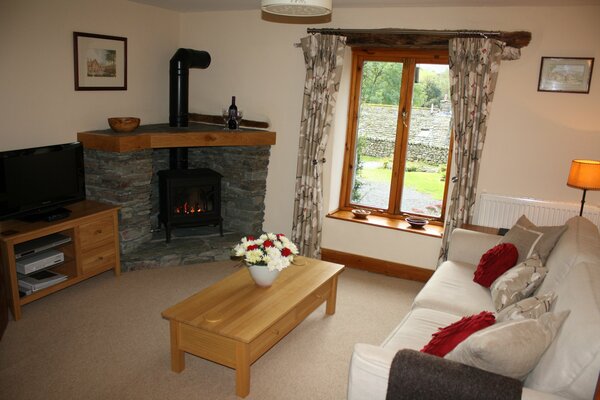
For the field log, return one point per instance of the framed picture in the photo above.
(565, 74)
(100, 62)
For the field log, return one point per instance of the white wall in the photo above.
(38, 103)
(531, 139)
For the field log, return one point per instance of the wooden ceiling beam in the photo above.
(416, 38)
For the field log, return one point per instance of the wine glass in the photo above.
(238, 118)
(225, 115)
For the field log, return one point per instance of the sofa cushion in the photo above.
(550, 236)
(451, 289)
(579, 243)
(468, 246)
(416, 328)
(570, 366)
(510, 348)
(531, 307)
(447, 338)
(495, 262)
(524, 239)
(517, 283)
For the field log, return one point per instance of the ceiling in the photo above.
(227, 5)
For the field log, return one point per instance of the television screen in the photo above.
(40, 179)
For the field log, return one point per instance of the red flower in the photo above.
(268, 243)
(286, 252)
(280, 235)
(249, 237)
(252, 247)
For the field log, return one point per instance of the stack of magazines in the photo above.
(39, 280)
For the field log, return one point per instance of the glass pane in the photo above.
(428, 142)
(376, 136)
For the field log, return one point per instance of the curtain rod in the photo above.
(391, 31)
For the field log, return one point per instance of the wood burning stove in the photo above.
(189, 198)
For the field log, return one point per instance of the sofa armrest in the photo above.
(468, 246)
(369, 372)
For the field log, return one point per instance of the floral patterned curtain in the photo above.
(323, 55)
(474, 64)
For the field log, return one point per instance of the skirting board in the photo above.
(378, 266)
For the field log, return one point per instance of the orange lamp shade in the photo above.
(584, 174)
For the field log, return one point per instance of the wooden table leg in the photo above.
(330, 310)
(242, 369)
(177, 355)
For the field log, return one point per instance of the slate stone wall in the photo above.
(123, 179)
(130, 181)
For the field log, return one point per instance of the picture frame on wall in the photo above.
(100, 61)
(566, 74)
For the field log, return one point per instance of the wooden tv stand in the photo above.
(93, 249)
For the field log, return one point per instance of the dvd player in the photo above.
(39, 261)
(40, 244)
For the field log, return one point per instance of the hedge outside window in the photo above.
(398, 142)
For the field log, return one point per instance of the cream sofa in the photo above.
(570, 366)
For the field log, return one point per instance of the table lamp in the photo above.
(584, 174)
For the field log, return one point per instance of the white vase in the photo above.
(262, 276)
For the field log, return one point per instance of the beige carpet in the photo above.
(105, 339)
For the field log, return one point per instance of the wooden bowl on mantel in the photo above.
(123, 124)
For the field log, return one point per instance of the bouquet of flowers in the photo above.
(273, 250)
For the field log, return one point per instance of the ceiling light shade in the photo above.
(297, 8)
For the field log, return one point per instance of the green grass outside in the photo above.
(424, 182)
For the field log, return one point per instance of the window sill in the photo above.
(389, 223)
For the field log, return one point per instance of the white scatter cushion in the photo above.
(518, 282)
(530, 307)
(525, 240)
(510, 348)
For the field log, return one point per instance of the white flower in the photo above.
(239, 250)
(254, 256)
(271, 236)
(277, 264)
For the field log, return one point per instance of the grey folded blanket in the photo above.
(422, 376)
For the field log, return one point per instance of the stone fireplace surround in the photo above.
(129, 179)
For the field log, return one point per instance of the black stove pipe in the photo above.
(179, 66)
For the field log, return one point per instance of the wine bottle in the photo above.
(232, 122)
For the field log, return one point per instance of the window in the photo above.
(398, 142)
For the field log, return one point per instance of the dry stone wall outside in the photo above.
(428, 138)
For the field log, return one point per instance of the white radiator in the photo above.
(499, 211)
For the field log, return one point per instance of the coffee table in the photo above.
(234, 322)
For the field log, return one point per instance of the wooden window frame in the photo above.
(410, 57)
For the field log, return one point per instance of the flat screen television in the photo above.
(36, 183)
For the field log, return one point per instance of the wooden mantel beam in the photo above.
(417, 38)
(162, 136)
